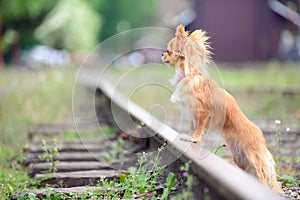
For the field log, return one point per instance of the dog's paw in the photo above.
(190, 138)
(196, 140)
(186, 138)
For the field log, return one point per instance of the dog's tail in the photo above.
(200, 38)
(271, 176)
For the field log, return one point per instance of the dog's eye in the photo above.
(168, 52)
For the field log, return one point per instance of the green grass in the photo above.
(30, 97)
(245, 76)
(260, 77)
(27, 98)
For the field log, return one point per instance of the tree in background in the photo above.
(72, 24)
(122, 15)
(76, 25)
(18, 19)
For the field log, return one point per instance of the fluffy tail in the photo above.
(271, 176)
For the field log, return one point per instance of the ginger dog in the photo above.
(212, 108)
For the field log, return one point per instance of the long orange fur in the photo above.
(212, 108)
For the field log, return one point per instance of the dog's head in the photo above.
(174, 52)
(192, 49)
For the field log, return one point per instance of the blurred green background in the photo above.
(73, 25)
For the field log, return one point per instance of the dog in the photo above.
(212, 108)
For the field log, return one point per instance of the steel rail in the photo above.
(223, 179)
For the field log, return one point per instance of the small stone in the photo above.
(293, 188)
(205, 190)
(294, 194)
(125, 136)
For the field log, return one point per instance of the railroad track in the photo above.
(89, 155)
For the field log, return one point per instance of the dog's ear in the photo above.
(181, 36)
(180, 32)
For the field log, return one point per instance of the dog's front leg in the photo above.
(198, 126)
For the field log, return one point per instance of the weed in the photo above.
(171, 179)
(108, 130)
(139, 182)
(50, 154)
(30, 196)
(219, 150)
(12, 176)
(288, 176)
(143, 180)
(277, 136)
(289, 180)
(189, 183)
(50, 194)
(120, 146)
(116, 153)
(13, 180)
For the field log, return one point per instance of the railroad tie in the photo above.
(81, 161)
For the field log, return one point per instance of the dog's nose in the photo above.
(162, 54)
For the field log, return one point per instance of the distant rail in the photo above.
(223, 180)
